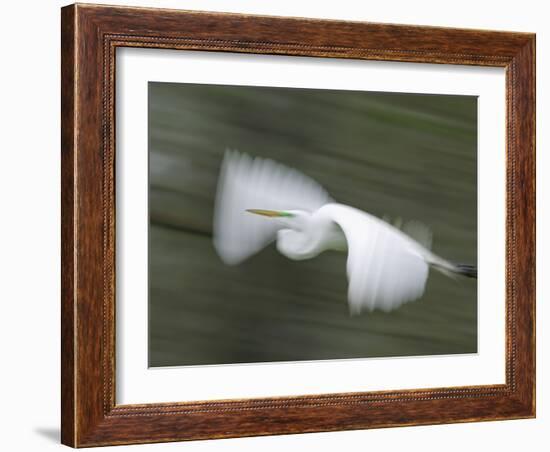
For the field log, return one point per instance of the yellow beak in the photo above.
(267, 213)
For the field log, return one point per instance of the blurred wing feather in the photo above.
(257, 183)
(385, 267)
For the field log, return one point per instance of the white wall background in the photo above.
(29, 225)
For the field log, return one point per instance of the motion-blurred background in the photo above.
(401, 155)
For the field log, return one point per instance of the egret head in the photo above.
(294, 238)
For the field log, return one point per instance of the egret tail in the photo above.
(469, 271)
(451, 269)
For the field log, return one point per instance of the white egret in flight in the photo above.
(259, 200)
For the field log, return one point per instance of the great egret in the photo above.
(259, 200)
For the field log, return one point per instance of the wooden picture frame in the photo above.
(90, 36)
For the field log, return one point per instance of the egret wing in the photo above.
(385, 267)
(257, 183)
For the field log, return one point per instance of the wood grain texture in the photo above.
(90, 36)
(67, 226)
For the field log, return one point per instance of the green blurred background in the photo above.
(401, 155)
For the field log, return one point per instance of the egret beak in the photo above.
(269, 213)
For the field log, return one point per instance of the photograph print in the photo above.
(291, 224)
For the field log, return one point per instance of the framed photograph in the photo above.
(280, 225)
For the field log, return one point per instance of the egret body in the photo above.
(259, 200)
